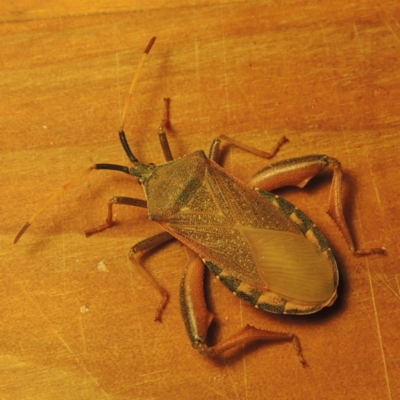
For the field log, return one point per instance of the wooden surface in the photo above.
(76, 319)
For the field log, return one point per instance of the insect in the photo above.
(259, 245)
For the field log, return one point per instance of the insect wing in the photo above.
(291, 265)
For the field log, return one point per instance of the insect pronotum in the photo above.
(259, 245)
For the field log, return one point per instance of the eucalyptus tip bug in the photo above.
(259, 245)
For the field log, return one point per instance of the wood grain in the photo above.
(325, 74)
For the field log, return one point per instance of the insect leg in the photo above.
(73, 181)
(195, 314)
(128, 201)
(162, 132)
(162, 136)
(250, 334)
(335, 210)
(146, 244)
(198, 319)
(214, 149)
(297, 172)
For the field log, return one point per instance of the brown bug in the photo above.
(259, 245)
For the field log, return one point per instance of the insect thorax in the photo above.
(173, 184)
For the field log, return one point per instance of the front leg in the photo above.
(197, 318)
(128, 201)
(297, 172)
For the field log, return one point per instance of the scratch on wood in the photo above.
(379, 333)
(62, 340)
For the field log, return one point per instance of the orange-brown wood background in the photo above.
(76, 319)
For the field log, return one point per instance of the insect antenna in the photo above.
(50, 200)
(139, 68)
(124, 142)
